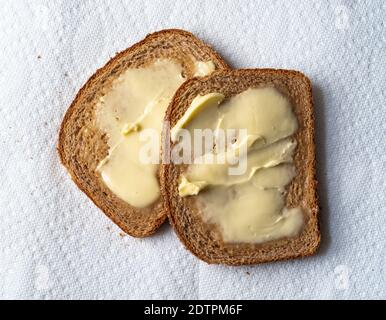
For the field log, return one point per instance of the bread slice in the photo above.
(82, 145)
(203, 239)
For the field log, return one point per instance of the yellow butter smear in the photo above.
(137, 101)
(249, 207)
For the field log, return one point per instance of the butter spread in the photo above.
(249, 207)
(198, 103)
(136, 101)
(203, 68)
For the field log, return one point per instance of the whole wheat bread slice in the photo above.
(204, 240)
(82, 145)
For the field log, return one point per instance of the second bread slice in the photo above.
(204, 239)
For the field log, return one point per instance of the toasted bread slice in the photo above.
(203, 239)
(82, 145)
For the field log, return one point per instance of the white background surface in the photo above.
(54, 243)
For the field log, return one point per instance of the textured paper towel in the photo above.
(54, 243)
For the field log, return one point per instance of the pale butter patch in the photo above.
(203, 68)
(137, 100)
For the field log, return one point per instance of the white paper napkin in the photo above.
(54, 243)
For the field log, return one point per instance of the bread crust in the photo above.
(204, 240)
(81, 145)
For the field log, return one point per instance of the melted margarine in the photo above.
(138, 100)
(249, 207)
